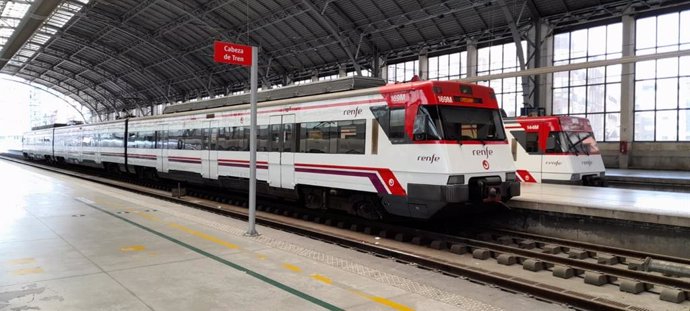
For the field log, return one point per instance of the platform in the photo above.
(650, 179)
(656, 207)
(69, 244)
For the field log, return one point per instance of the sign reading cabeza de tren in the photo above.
(225, 52)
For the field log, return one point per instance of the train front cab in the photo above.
(449, 138)
(556, 149)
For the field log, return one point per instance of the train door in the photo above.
(165, 148)
(204, 135)
(281, 155)
(213, 149)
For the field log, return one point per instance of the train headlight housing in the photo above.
(510, 176)
(575, 177)
(456, 180)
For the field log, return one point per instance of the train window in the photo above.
(132, 140)
(427, 124)
(351, 136)
(532, 143)
(176, 139)
(195, 139)
(222, 138)
(262, 138)
(276, 134)
(316, 137)
(396, 126)
(289, 138)
(528, 141)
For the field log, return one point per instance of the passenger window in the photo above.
(351, 136)
(262, 138)
(315, 137)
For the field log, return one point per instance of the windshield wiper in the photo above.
(575, 144)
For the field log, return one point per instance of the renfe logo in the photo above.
(533, 127)
(354, 112)
(588, 163)
(554, 163)
(486, 152)
(429, 158)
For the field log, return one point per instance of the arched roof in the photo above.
(125, 54)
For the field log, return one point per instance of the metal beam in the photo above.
(577, 66)
(328, 24)
(38, 12)
(517, 39)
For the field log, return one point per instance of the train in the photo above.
(555, 149)
(407, 149)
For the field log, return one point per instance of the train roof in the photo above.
(293, 91)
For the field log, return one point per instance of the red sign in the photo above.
(225, 52)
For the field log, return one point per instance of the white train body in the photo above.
(555, 149)
(340, 147)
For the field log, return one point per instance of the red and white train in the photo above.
(555, 149)
(410, 149)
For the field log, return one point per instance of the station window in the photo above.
(662, 86)
(301, 82)
(448, 66)
(593, 93)
(364, 72)
(328, 77)
(500, 59)
(402, 72)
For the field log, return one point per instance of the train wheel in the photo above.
(314, 198)
(368, 209)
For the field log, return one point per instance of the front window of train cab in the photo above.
(576, 136)
(457, 124)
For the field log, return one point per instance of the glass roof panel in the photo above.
(17, 9)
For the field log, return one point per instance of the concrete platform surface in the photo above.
(659, 207)
(69, 244)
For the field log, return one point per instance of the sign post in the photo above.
(224, 52)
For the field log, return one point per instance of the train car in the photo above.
(555, 149)
(409, 149)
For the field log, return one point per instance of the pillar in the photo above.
(627, 90)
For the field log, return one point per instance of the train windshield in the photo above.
(572, 142)
(458, 124)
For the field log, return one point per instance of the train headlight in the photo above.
(575, 177)
(456, 180)
(510, 176)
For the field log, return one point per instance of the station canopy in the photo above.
(133, 54)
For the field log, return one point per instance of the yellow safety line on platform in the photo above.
(322, 279)
(383, 301)
(146, 215)
(292, 268)
(318, 277)
(21, 261)
(28, 271)
(133, 248)
(204, 236)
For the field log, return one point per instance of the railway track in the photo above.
(546, 268)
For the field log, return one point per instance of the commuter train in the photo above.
(409, 149)
(555, 149)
